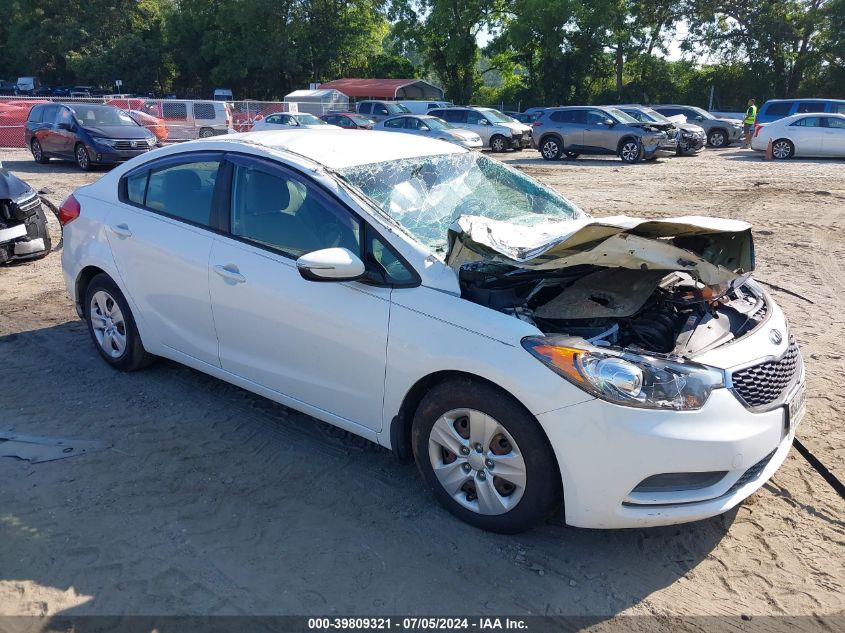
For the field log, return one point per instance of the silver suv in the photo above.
(575, 130)
(720, 132)
(498, 131)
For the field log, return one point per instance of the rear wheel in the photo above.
(485, 457)
(717, 138)
(38, 152)
(783, 149)
(112, 326)
(498, 143)
(551, 148)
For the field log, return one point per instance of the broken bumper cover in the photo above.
(635, 444)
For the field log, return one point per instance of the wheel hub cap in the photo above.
(108, 324)
(477, 462)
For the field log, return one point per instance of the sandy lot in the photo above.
(211, 500)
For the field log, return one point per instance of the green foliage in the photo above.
(537, 52)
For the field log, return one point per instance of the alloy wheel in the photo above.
(477, 461)
(37, 153)
(108, 324)
(630, 151)
(82, 158)
(781, 149)
(497, 145)
(717, 139)
(550, 150)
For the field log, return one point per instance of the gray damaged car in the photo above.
(575, 130)
(691, 138)
(23, 224)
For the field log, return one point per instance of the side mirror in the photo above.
(66, 126)
(483, 122)
(699, 118)
(609, 122)
(330, 264)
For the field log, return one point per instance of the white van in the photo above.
(223, 94)
(28, 84)
(422, 107)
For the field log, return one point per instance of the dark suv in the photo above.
(89, 134)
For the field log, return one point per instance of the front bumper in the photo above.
(734, 133)
(520, 142)
(664, 147)
(689, 143)
(104, 155)
(605, 451)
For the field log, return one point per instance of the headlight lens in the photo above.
(626, 378)
(106, 141)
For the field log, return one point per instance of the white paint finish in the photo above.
(322, 343)
(164, 266)
(808, 141)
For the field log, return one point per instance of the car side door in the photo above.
(807, 134)
(160, 232)
(599, 132)
(833, 140)
(65, 132)
(45, 131)
(315, 345)
(478, 123)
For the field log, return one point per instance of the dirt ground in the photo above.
(210, 500)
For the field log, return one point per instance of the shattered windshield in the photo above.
(427, 194)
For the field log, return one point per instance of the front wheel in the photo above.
(783, 149)
(631, 151)
(112, 326)
(498, 143)
(486, 459)
(83, 159)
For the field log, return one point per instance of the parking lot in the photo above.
(207, 499)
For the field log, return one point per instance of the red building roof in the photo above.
(385, 88)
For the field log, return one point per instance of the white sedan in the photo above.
(288, 120)
(806, 135)
(437, 302)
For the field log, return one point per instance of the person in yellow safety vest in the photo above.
(748, 123)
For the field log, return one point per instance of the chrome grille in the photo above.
(752, 473)
(766, 383)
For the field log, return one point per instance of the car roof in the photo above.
(804, 99)
(337, 149)
(802, 115)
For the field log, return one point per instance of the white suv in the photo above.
(448, 307)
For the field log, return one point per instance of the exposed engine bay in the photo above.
(649, 311)
(676, 287)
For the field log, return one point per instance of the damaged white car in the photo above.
(452, 309)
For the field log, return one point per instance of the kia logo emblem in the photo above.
(775, 337)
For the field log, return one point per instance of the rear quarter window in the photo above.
(35, 114)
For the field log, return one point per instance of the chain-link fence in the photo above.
(171, 120)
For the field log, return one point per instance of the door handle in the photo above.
(122, 230)
(230, 272)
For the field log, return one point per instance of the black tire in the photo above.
(571, 155)
(551, 148)
(498, 143)
(43, 230)
(542, 492)
(206, 132)
(718, 138)
(782, 149)
(630, 150)
(38, 153)
(134, 356)
(83, 158)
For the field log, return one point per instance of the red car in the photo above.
(349, 120)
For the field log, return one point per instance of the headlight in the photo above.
(105, 141)
(626, 378)
(151, 141)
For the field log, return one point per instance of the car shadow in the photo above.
(58, 166)
(583, 161)
(210, 500)
(759, 156)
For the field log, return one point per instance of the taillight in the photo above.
(757, 128)
(69, 210)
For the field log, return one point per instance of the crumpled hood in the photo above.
(12, 187)
(712, 250)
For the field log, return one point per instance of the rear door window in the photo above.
(204, 111)
(808, 121)
(810, 106)
(395, 123)
(49, 115)
(174, 111)
(35, 115)
(183, 191)
(365, 108)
